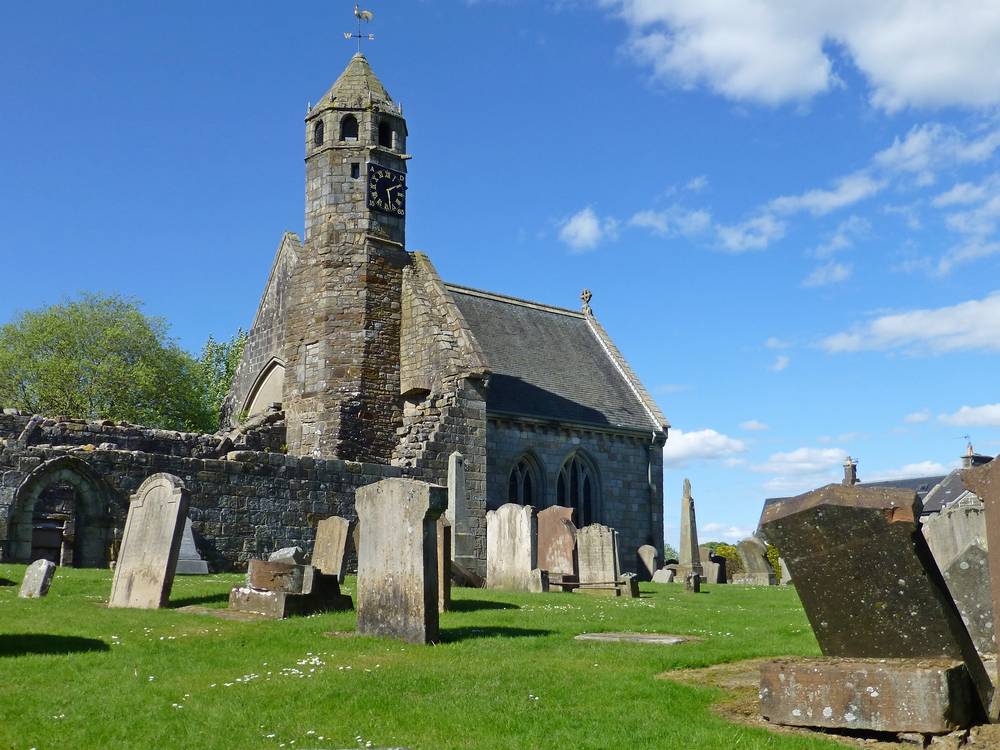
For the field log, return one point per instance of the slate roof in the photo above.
(947, 491)
(549, 363)
(921, 485)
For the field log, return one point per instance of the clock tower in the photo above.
(341, 341)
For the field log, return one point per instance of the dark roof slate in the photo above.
(949, 489)
(548, 363)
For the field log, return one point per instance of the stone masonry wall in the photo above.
(626, 462)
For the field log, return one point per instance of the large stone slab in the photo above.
(690, 556)
(444, 564)
(880, 695)
(150, 544)
(189, 559)
(37, 579)
(330, 548)
(757, 570)
(511, 549)
(397, 591)
(557, 542)
(463, 535)
(649, 562)
(664, 575)
(275, 576)
(984, 481)
(597, 553)
(957, 539)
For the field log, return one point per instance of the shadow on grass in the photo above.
(207, 599)
(472, 605)
(21, 644)
(6, 582)
(453, 635)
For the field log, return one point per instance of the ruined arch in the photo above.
(268, 388)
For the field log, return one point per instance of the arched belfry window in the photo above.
(385, 134)
(349, 128)
(577, 488)
(523, 485)
(318, 133)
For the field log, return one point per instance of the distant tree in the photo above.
(734, 564)
(218, 363)
(669, 553)
(101, 357)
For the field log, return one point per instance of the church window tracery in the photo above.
(577, 488)
(523, 486)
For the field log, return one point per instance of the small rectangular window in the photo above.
(355, 170)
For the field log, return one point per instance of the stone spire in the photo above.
(357, 88)
(690, 556)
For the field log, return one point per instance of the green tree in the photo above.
(772, 557)
(218, 363)
(669, 553)
(734, 565)
(100, 357)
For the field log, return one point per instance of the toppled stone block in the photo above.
(278, 605)
(931, 696)
(275, 576)
(37, 579)
(290, 555)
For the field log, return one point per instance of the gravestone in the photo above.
(597, 554)
(189, 560)
(664, 575)
(713, 566)
(37, 579)
(288, 555)
(279, 589)
(690, 559)
(397, 591)
(957, 539)
(757, 570)
(444, 564)
(463, 537)
(785, 577)
(150, 544)
(511, 549)
(649, 562)
(557, 544)
(984, 481)
(692, 583)
(330, 549)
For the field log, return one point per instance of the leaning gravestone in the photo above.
(757, 570)
(189, 560)
(37, 579)
(330, 547)
(649, 562)
(511, 549)
(664, 575)
(557, 544)
(397, 590)
(871, 592)
(150, 544)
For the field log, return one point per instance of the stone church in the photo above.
(362, 363)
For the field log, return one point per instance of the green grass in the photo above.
(74, 674)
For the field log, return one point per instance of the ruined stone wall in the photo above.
(629, 466)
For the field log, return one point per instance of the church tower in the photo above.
(341, 344)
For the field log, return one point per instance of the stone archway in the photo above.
(62, 511)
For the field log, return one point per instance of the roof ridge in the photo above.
(514, 300)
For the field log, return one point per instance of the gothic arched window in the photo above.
(385, 134)
(523, 485)
(577, 488)
(349, 128)
(318, 133)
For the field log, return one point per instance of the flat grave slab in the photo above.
(659, 639)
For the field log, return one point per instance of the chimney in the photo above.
(972, 459)
(850, 472)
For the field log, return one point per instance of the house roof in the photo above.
(945, 492)
(553, 363)
(921, 485)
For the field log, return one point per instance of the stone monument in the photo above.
(330, 549)
(444, 564)
(690, 558)
(150, 544)
(277, 590)
(397, 594)
(600, 566)
(557, 545)
(649, 562)
(713, 566)
(189, 560)
(757, 570)
(511, 550)
(37, 579)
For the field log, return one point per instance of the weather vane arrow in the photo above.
(363, 16)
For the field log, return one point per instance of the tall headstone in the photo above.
(597, 552)
(757, 570)
(649, 562)
(150, 544)
(690, 558)
(557, 544)
(444, 564)
(511, 549)
(330, 549)
(37, 579)
(189, 560)
(463, 538)
(397, 591)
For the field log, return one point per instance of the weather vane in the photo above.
(363, 16)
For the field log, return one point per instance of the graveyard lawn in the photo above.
(508, 674)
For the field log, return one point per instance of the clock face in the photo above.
(386, 190)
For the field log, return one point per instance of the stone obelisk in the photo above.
(690, 557)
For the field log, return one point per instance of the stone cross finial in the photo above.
(586, 296)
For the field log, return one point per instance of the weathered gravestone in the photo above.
(690, 559)
(557, 545)
(984, 481)
(189, 560)
(649, 562)
(288, 555)
(280, 589)
(600, 568)
(511, 550)
(713, 566)
(150, 544)
(330, 548)
(757, 570)
(870, 589)
(37, 579)
(664, 575)
(444, 564)
(463, 536)
(957, 539)
(397, 592)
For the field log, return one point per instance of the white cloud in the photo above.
(930, 147)
(697, 184)
(673, 221)
(844, 237)
(802, 461)
(828, 273)
(585, 230)
(909, 471)
(752, 234)
(715, 531)
(972, 325)
(780, 363)
(846, 191)
(699, 445)
(917, 417)
(754, 425)
(773, 342)
(773, 51)
(987, 415)
(962, 193)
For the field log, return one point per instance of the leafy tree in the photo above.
(772, 557)
(669, 553)
(734, 565)
(100, 357)
(218, 363)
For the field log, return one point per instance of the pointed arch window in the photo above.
(318, 134)
(523, 484)
(577, 488)
(349, 128)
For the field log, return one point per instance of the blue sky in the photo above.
(787, 215)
